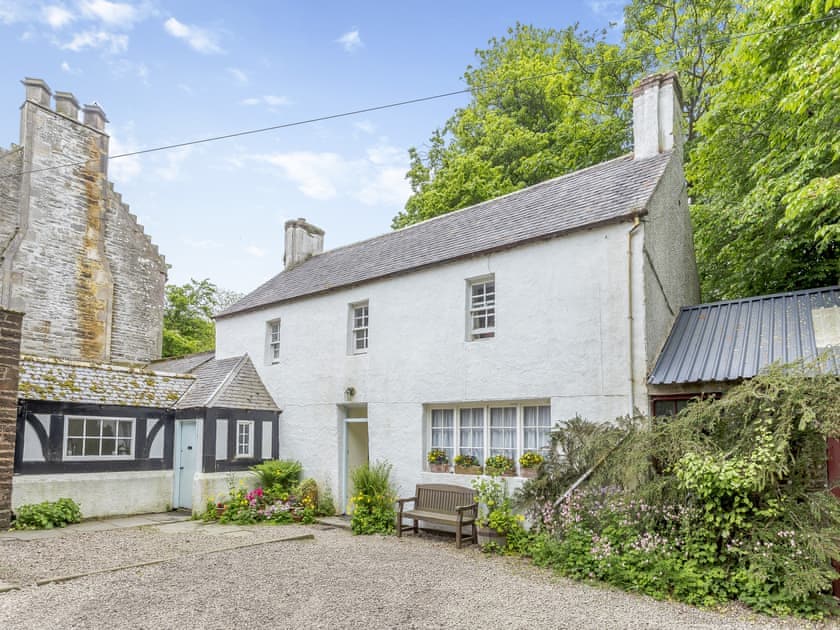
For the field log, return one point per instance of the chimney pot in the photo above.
(303, 240)
(95, 117)
(66, 104)
(657, 115)
(37, 91)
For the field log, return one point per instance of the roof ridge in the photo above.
(226, 381)
(101, 365)
(756, 298)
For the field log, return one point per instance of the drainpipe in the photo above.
(632, 398)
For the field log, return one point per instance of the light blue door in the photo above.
(185, 463)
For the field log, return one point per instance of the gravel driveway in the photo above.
(332, 581)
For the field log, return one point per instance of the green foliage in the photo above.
(279, 503)
(530, 459)
(281, 475)
(373, 501)
(516, 133)
(47, 515)
(724, 501)
(437, 456)
(466, 460)
(765, 174)
(188, 316)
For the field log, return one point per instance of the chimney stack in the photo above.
(37, 91)
(657, 115)
(66, 104)
(303, 240)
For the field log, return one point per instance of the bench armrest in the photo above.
(402, 502)
(463, 508)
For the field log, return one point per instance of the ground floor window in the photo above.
(671, 405)
(98, 437)
(244, 438)
(487, 429)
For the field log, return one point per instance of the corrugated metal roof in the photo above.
(98, 383)
(727, 341)
(610, 191)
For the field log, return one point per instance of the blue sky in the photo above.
(173, 72)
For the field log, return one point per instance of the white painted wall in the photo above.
(99, 494)
(216, 487)
(561, 334)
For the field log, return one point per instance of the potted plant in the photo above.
(529, 462)
(499, 465)
(438, 460)
(495, 516)
(467, 465)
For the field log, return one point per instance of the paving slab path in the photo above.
(216, 576)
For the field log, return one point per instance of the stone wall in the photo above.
(10, 325)
(75, 260)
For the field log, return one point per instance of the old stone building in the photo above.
(72, 256)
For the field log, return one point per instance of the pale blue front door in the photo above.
(185, 462)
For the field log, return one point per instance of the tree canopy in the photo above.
(762, 114)
(188, 316)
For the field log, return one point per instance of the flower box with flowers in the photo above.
(529, 463)
(438, 461)
(467, 465)
(500, 465)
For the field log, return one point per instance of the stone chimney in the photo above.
(67, 105)
(657, 115)
(95, 117)
(303, 240)
(37, 91)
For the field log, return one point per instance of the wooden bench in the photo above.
(441, 503)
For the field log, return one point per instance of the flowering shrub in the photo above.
(272, 505)
(725, 501)
(494, 507)
(373, 501)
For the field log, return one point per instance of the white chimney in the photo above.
(303, 240)
(657, 115)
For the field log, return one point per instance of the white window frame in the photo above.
(100, 419)
(359, 327)
(249, 454)
(272, 340)
(484, 308)
(487, 450)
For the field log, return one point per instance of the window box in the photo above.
(467, 470)
(439, 468)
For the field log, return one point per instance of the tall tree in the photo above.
(686, 36)
(544, 103)
(188, 318)
(766, 171)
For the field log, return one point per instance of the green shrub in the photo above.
(725, 501)
(373, 501)
(326, 505)
(47, 515)
(279, 474)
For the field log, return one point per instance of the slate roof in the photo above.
(181, 365)
(607, 192)
(229, 383)
(727, 341)
(98, 383)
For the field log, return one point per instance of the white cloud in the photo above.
(10, 12)
(269, 99)
(613, 10)
(351, 41)
(123, 170)
(365, 126)
(202, 244)
(173, 161)
(57, 16)
(199, 39)
(258, 252)
(111, 42)
(66, 67)
(239, 75)
(112, 13)
(377, 178)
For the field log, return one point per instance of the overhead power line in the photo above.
(412, 101)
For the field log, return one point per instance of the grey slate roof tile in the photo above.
(610, 191)
(729, 341)
(181, 365)
(231, 383)
(104, 384)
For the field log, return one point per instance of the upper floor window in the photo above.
(98, 437)
(273, 333)
(482, 308)
(359, 319)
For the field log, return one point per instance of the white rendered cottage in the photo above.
(477, 330)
